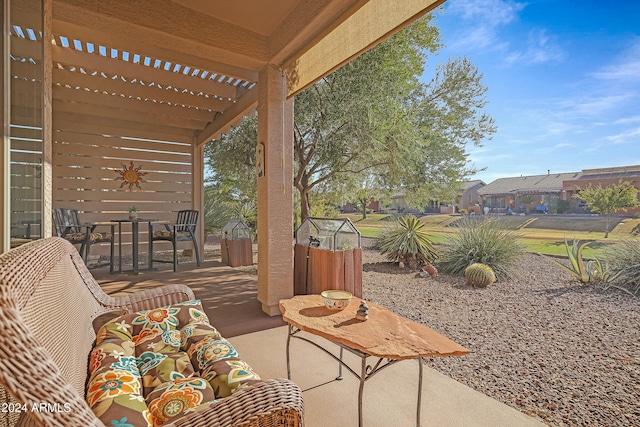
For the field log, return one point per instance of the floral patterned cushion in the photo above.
(94, 237)
(150, 367)
(166, 234)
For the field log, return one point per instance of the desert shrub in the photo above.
(623, 259)
(485, 242)
(407, 239)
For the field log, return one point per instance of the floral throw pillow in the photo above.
(151, 367)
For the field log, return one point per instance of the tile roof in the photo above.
(470, 184)
(548, 183)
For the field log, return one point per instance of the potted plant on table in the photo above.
(133, 212)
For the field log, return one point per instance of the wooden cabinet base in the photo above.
(316, 270)
(236, 253)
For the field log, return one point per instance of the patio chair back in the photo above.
(184, 229)
(67, 225)
(187, 221)
(66, 221)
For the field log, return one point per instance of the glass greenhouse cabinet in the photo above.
(327, 256)
(236, 245)
(328, 233)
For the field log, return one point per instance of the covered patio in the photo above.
(92, 89)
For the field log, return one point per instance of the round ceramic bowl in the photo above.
(336, 300)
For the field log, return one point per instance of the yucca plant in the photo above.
(583, 272)
(410, 241)
(483, 241)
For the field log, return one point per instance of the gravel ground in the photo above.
(566, 354)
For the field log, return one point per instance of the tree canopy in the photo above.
(376, 120)
(608, 200)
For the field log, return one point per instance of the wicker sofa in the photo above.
(48, 304)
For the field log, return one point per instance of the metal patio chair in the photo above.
(67, 225)
(184, 229)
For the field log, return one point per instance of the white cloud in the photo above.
(491, 12)
(626, 68)
(626, 120)
(593, 105)
(483, 32)
(626, 137)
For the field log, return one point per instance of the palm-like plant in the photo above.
(409, 241)
(577, 267)
(583, 272)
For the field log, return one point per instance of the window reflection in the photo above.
(27, 70)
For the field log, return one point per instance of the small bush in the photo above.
(623, 259)
(485, 242)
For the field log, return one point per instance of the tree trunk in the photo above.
(364, 210)
(305, 207)
(606, 231)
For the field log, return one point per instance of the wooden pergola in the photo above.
(92, 86)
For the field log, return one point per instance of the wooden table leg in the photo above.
(419, 392)
(134, 233)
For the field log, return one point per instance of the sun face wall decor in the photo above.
(130, 176)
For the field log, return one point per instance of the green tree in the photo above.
(231, 161)
(607, 200)
(367, 192)
(375, 117)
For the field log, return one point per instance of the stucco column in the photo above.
(275, 190)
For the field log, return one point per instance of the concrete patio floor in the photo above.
(230, 299)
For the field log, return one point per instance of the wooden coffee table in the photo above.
(385, 335)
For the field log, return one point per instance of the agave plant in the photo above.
(409, 241)
(584, 272)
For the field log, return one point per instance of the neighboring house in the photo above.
(470, 198)
(399, 204)
(604, 177)
(525, 194)
(467, 198)
(374, 206)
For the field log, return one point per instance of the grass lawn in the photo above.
(548, 241)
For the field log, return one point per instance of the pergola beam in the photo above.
(141, 116)
(224, 120)
(112, 66)
(97, 125)
(116, 40)
(136, 89)
(130, 105)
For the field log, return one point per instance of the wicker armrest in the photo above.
(154, 298)
(269, 403)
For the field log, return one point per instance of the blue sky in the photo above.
(563, 78)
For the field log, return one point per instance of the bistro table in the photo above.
(134, 240)
(384, 335)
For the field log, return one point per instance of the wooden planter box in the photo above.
(325, 269)
(236, 253)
